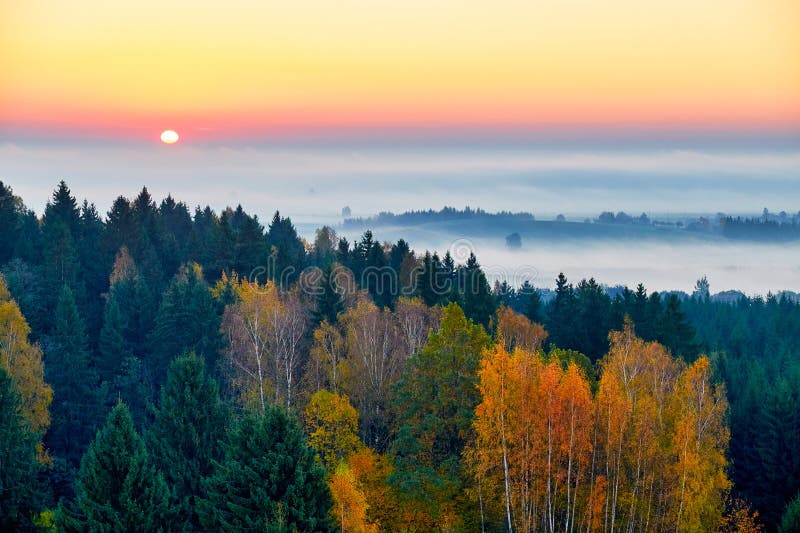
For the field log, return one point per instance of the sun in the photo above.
(169, 136)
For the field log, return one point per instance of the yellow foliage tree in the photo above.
(23, 362)
(332, 425)
(701, 438)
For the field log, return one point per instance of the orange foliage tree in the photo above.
(646, 452)
(516, 331)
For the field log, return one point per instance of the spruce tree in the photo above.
(268, 481)
(118, 487)
(328, 300)
(478, 301)
(533, 305)
(426, 280)
(95, 263)
(790, 522)
(114, 348)
(11, 212)
(593, 308)
(250, 247)
(561, 314)
(60, 229)
(74, 382)
(675, 332)
(287, 251)
(187, 433)
(20, 493)
(187, 321)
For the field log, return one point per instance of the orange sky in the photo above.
(216, 70)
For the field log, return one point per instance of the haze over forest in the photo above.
(312, 182)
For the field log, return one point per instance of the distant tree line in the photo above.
(445, 214)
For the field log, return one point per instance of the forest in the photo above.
(163, 369)
(769, 227)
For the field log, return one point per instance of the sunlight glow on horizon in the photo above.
(283, 68)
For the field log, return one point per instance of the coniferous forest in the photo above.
(163, 369)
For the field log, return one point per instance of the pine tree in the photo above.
(118, 487)
(250, 247)
(11, 212)
(427, 280)
(63, 209)
(328, 300)
(533, 305)
(592, 320)
(561, 314)
(287, 250)
(20, 493)
(95, 263)
(187, 433)
(113, 346)
(790, 522)
(74, 382)
(675, 332)
(478, 302)
(187, 321)
(60, 266)
(176, 224)
(60, 229)
(269, 480)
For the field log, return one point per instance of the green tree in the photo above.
(328, 300)
(119, 489)
(60, 229)
(187, 433)
(11, 212)
(187, 321)
(435, 402)
(268, 480)
(478, 301)
(561, 314)
(113, 346)
(74, 382)
(250, 246)
(592, 321)
(675, 332)
(287, 251)
(790, 522)
(533, 305)
(94, 265)
(429, 280)
(20, 493)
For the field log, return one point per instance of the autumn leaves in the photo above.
(644, 452)
(456, 428)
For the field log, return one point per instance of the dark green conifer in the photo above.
(119, 489)
(20, 492)
(74, 381)
(268, 481)
(187, 433)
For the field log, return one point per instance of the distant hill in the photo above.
(477, 222)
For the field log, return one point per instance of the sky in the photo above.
(545, 106)
(254, 71)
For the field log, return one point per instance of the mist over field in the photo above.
(312, 183)
(752, 268)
